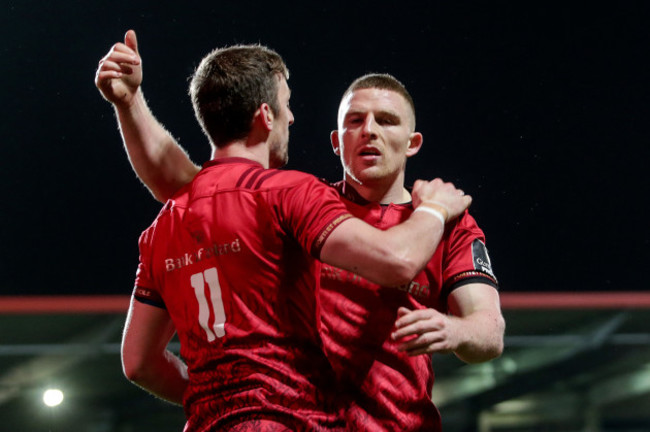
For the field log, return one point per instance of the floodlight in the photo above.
(52, 397)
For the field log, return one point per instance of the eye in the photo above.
(388, 120)
(353, 120)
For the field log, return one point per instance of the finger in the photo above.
(131, 41)
(413, 316)
(421, 342)
(429, 342)
(124, 54)
(414, 329)
(416, 350)
(109, 65)
(122, 48)
(429, 349)
(103, 78)
(119, 57)
(402, 311)
(406, 320)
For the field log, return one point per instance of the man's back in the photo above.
(226, 256)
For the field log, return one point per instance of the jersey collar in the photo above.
(228, 160)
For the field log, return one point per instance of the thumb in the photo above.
(131, 41)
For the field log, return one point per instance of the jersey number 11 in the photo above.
(210, 306)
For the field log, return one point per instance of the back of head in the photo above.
(383, 82)
(230, 84)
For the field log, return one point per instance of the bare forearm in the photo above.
(166, 378)
(414, 241)
(480, 336)
(389, 258)
(395, 256)
(160, 163)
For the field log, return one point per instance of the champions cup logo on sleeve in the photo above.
(481, 258)
(190, 258)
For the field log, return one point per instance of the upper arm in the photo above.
(147, 332)
(479, 300)
(156, 157)
(482, 327)
(473, 297)
(174, 171)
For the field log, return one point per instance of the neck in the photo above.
(382, 192)
(255, 151)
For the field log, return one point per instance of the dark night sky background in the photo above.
(540, 112)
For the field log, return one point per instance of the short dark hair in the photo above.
(230, 84)
(384, 82)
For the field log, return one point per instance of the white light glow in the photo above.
(52, 397)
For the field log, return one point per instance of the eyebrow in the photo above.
(384, 113)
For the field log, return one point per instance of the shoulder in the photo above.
(276, 178)
(465, 222)
(176, 205)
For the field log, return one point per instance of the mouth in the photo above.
(369, 151)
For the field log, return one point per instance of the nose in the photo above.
(369, 126)
(291, 119)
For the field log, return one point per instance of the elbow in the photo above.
(499, 344)
(134, 367)
(404, 262)
(132, 372)
(495, 344)
(492, 352)
(486, 354)
(489, 346)
(406, 265)
(495, 348)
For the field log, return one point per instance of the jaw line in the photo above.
(348, 174)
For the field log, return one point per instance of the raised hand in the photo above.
(441, 196)
(119, 74)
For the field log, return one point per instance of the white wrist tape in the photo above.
(434, 212)
(437, 203)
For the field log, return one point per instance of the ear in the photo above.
(265, 116)
(415, 144)
(334, 139)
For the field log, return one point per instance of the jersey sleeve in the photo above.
(144, 290)
(466, 256)
(311, 210)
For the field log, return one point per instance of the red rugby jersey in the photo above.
(226, 257)
(391, 391)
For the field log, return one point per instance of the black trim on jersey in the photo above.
(265, 177)
(243, 176)
(474, 279)
(252, 178)
(151, 302)
(484, 279)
